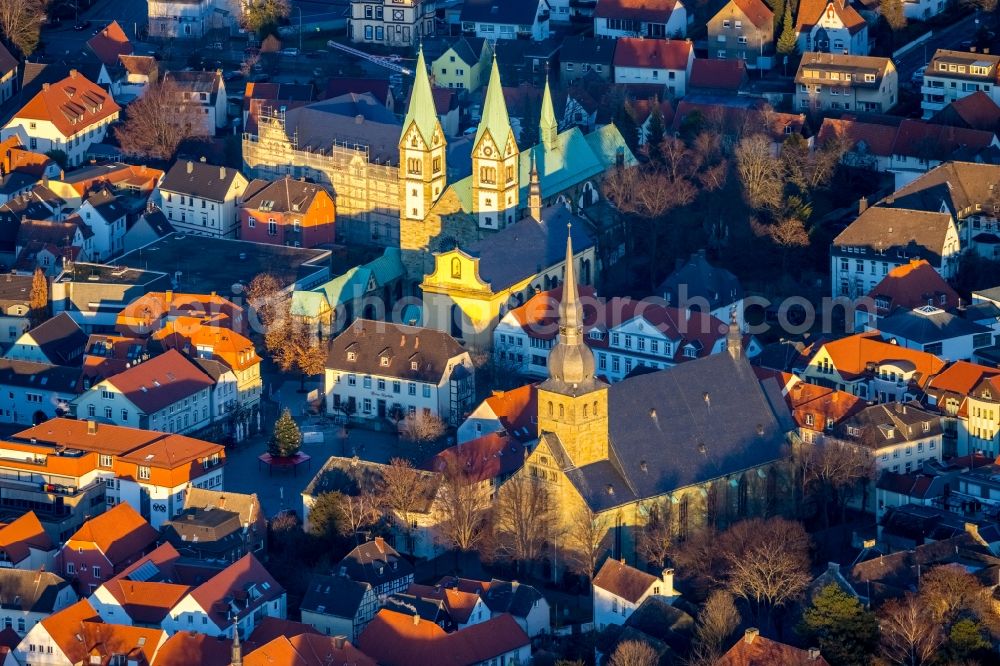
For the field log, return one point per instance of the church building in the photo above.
(702, 443)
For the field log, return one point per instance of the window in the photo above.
(251, 223)
(105, 461)
(97, 571)
(396, 386)
(70, 569)
(124, 415)
(426, 391)
(108, 413)
(381, 384)
(352, 380)
(487, 175)
(411, 389)
(143, 473)
(367, 405)
(272, 227)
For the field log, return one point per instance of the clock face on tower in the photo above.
(397, 14)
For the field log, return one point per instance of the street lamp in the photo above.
(300, 28)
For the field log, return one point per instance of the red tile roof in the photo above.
(270, 628)
(924, 140)
(154, 308)
(72, 104)
(641, 108)
(307, 650)
(459, 604)
(110, 43)
(217, 595)
(398, 639)
(623, 580)
(756, 11)
(119, 532)
(492, 456)
(189, 335)
(64, 628)
(851, 356)
(978, 110)
(811, 11)
(813, 406)
(640, 10)
(517, 410)
(760, 651)
(875, 138)
(652, 53)
(17, 538)
(160, 381)
(188, 647)
(718, 74)
(911, 286)
(961, 377)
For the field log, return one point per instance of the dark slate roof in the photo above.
(375, 562)
(197, 82)
(467, 49)
(29, 591)
(688, 424)
(432, 610)
(511, 597)
(199, 179)
(928, 324)
(701, 279)
(658, 619)
(588, 49)
(285, 195)
(7, 61)
(15, 290)
(35, 74)
(526, 247)
(39, 376)
(519, 12)
(203, 530)
(158, 222)
(106, 205)
(60, 338)
(370, 341)
(352, 118)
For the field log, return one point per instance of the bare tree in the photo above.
(402, 488)
(21, 22)
(910, 634)
(159, 121)
(949, 590)
(759, 172)
(421, 428)
(460, 508)
(259, 14)
(523, 517)
(359, 511)
(765, 562)
(584, 536)
(831, 471)
(263, 294)
(716, 623)
(656, 538)
(633, 653)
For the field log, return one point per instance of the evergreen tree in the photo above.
(892, 12)
(966, 641)
(778, 10)
(625, 123)
(786, 42)
(38, 299)
(286, 439)
(845, 632)
(327, 518)
(655, 131)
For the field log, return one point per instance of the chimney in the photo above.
(862, 205)
(168, 297)
(750, 634)
(222, 173)
(813, 654)
(91, 427)
(668, 582)
(380, 544)
(45, 86)
(190, 166)
(416, 619)
(339, 641)
(833, 567)
(513, 585)
(72, 73)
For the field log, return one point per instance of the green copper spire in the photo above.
(548, 128)
(495, 119)
(421, 109)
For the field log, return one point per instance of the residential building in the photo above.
(109, 44)
(465, 63)
(25, 545)
(8, 74)
(977, 111)
(743, 30)
(287, 212)
(834, 82)
(74, 634)
(954, 75)
(240, 596)
(207, 534)
(882, 238)
(624, 335)
(900, 436)
(510, 412)
(56, 341)
(665, 62)
(523, 602)
(15, 301)
(140, 71)
(505, 19)
(754, 648)
(379, 370)
(831, 26)
(632, 18)
(920, 146)
(155, 311)
(151, 226)
(105, 545)
(905, 287)
(168, 393)
(379, 566)
(819, 410)
(584, 57)
(620, 589)
(31, 393)
(28, 597)
(253, 522)
(50, 244)
(338, 606)
(867, 366)
(183, 19)
(697, 285)
(380, 89)
(105, 214)
(401, 639)
(486, 461)
(717, 76)
(67, 116)
(933, 330)
(402, 24)
(202, 199)
(92, 294)
(307, 650)
(149, 470)
(921, 10)
(206, 91)
(325, 142)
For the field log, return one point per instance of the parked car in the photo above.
(291, 51)
(918, 76)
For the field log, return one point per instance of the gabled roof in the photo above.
(18, 537)
(656, 11)
(813, 406)
(928, 324)
(976, 111)
(26, 374)
(196, 82)
(393, 350)
(139, 64)
(377, 88)
(337, 595)
(924, 140)
(697, 278)
(623, 580)
(197, 339)
(239, 589)
(852, 355)
(492, 456)
(110, 43)
(914, 231)
(588, 49)
(955, 186)
(458, 603)
(811, 11)
(504, 596)
(756, 650)
(960, 378)
(889, 424)
(120, 532)
(246, 505)
(652, 53)
(28, 591)
(352, 117)
(60, 339)
(911, 286)
(200, 179)
(285, 195)
(727, 75)
(375, 562)
(64, 628)
(519, 12)
(188, 647)
(160, 381)
(755, 10)
(397, 639)
(71, 105)
(7, 61)
(307, 650)
(517, 410)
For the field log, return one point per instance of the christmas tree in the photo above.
(286, 439)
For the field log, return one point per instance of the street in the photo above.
(949, 37)
(63, 40)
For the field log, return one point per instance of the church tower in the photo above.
(548, 128)
(572, 402)
(421, 150)
(495, 174)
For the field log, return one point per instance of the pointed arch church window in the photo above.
(510, 174)
(436, 165)
(487, 175)
(414, 165)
